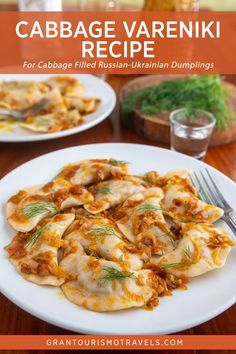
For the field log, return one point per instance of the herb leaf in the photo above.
(117, 162)
(113, 274)
(188, 253)
(171, 238)
(33, 209)
(102, 231)
(173, 265)
(105, 190)
(121, 258)
(42, 122)
(147, 207)
(35, 237)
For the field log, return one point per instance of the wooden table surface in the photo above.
(16, 321)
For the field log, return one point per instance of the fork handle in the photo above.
(6, 113)
(11, 114)
(232, 220)
(230, 223)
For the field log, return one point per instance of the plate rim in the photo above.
(80, 329)
(68, 132)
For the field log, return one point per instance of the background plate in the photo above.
(93, 86)
(208, 295)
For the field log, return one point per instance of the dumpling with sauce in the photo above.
(93, 171)
(113, 192)
(203, 247)
(100, 237)
(181, 200)
(141, 220)
(29, 206)
(100, 285)
(34, 254)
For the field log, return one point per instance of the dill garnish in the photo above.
(147, 207)
(113, 274)
(121, 259)
(171, 238)
(33, 209)
(42, 122)
(35, 237)
(105, 190)
(173, 265)
(118, 162)
(102, 231)
(188, 253)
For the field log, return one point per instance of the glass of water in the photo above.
(191, 131)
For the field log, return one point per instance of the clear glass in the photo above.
(40, 5)
(191, 131)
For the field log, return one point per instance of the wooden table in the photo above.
(16, 321)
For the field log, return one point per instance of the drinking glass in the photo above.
(40, 5)
(191, 131)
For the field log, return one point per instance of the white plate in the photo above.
(208, 295)
(93, 86)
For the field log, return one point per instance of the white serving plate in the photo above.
(208, 295)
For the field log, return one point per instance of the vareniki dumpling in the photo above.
(92, 171)
(100, 237)
(101, 285)
(181, 200)
(113, 192)
(141, 220)
(27, 208)
(34, 254)
(203, 247)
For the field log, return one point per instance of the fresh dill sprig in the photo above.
(188, 253)
(171, 238)
(105, 190)
(121, 259)
(35, 237)
(42, 122)
(147, 207)
(173, 265)
(33, 209)
(114, 274)
(118, 162)
(102, 231)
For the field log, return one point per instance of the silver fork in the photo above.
(210, 193)
(25, 112)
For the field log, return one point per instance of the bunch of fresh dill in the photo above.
(205, 92)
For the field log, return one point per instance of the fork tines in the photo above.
(210, 193)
